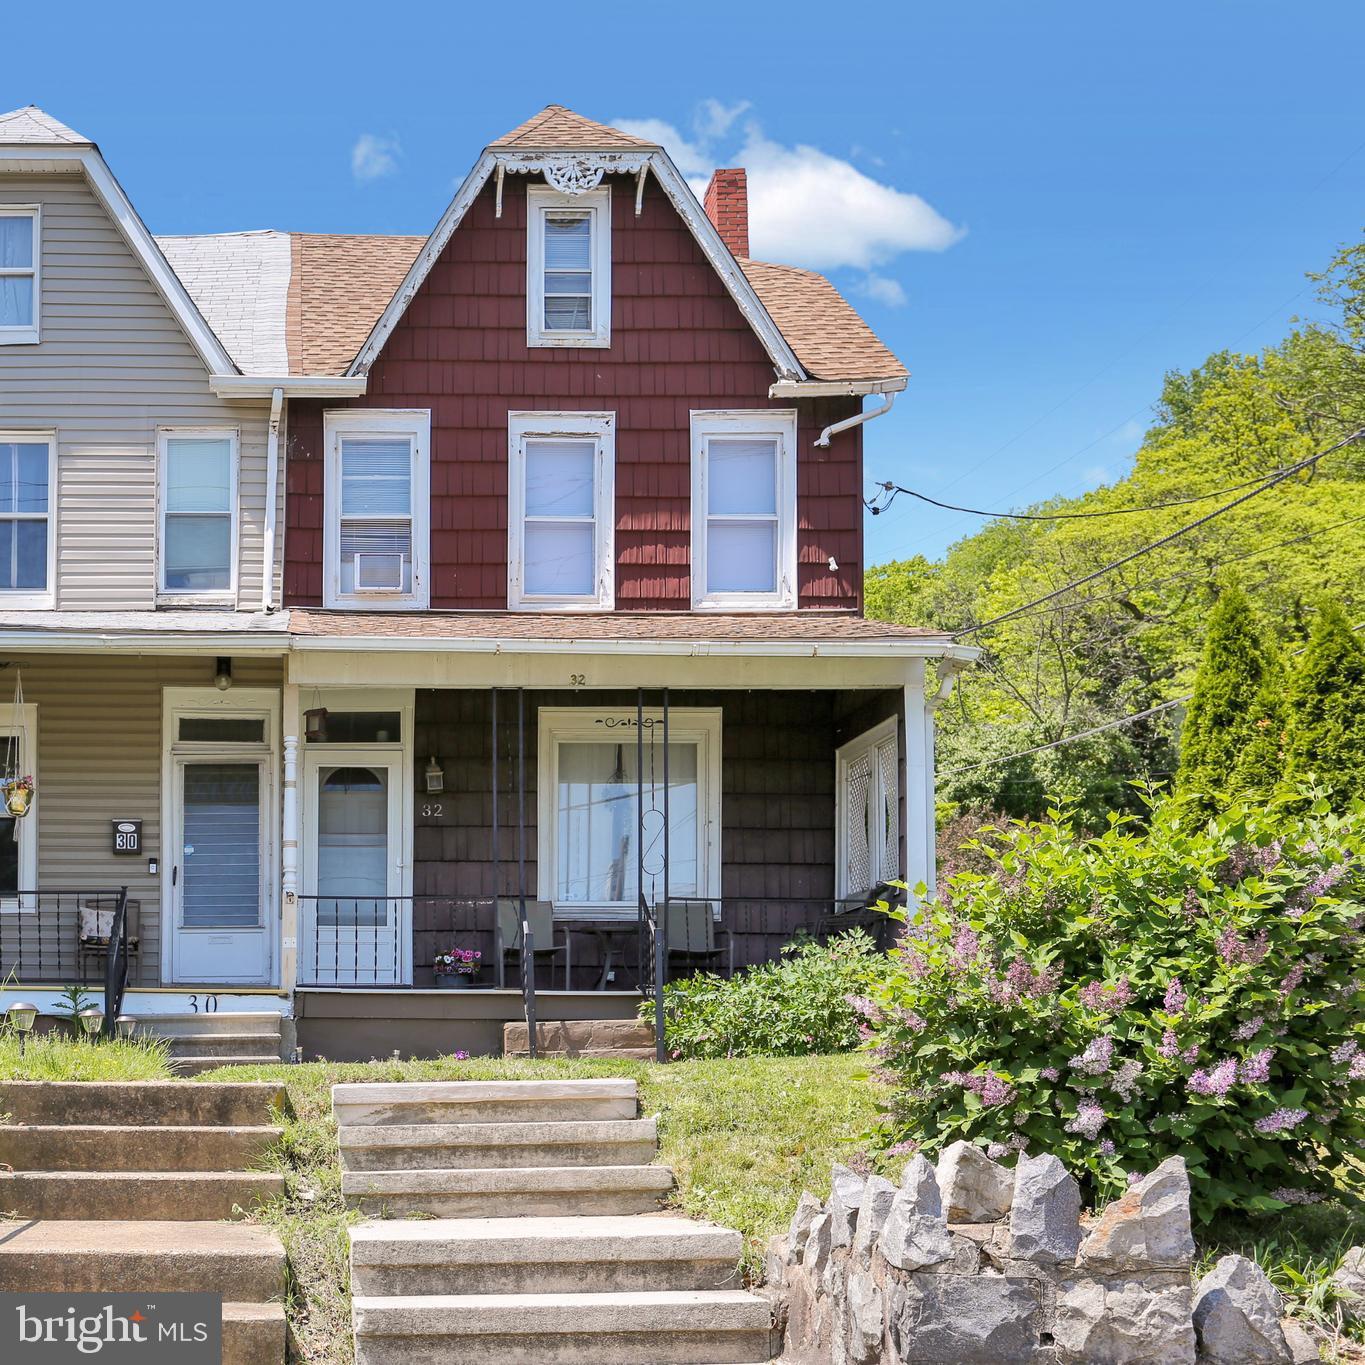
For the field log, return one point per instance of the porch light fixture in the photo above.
(92, 1020)
(126, 1025)
(22, 1016)
(436, 778)
(315, 725)
(222, 677)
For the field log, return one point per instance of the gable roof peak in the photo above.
(556, 128)
(31, 125)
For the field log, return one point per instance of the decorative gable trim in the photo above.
(143, 245)
(583, 170)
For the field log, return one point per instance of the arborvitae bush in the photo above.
(1326, 739)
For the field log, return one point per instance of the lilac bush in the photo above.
(1155, 989)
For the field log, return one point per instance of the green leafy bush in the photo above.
(1149, 991)
(791, 1008)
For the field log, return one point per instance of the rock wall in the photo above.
(974, 1264)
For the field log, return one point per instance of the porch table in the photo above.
(608, 933)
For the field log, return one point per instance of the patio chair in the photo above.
(94, 925)
(692, 935)
(507, 934)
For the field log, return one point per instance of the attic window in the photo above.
(20, 251)
(568, 268)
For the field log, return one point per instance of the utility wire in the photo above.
(1288, 472)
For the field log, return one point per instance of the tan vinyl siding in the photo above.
(113, 366)
(99, 759)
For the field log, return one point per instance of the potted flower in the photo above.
(18, 795)
(456, 968)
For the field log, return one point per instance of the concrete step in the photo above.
(254, 1334)
(131, 1103)
(237, 1260)
(201, 1025)
(582, 1038)
(617, 1054)
(97, 1147)
(541, 1255)
(169, 1196)
(537, 1191)
(678, 1327)
(225, 1045)
(484, 1101)
(195, 1066)
(442, 1146)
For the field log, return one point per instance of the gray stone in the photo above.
(776, 1259)
(973, 1187)
(866, 1321)
(819, 1245)
(1045, 1218)
(808, 1208)
(911, 1239)
(1123, 1322)
(1148, 1227)
(878, 1196)
(966, 1320)
(845, 1199)
(1349, 1282)
(1237, 1316)
(918, 1180)
(1303, 1345)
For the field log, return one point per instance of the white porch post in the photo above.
(289, 842)
(918, 806)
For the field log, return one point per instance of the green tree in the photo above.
(1231, 691)
(1326, 740)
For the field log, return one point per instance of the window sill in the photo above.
(19, 336)
(745, 603)
(225, 601)
(20, 601)
(382, 602)
(595, 342)
(558, 604)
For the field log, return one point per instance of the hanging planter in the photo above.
(18, 796)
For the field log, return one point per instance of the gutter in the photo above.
(292, 386)
(147, 642)
(849, 422)
(834, 388)
(272, 479)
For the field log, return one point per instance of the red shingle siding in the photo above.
(679, 343)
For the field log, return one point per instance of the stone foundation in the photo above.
(974, 1264)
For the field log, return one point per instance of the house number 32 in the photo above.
(577, 679)
(433, 809)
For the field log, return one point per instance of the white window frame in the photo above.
(415, 423)
(765, 422)
(29, 599)
(531, 426)
(30, 334)
(23, 726)
(686, 725)
(880, 842)
(540, 200)
(216, 596)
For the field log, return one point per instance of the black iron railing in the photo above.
(75, 936)
(116, 964)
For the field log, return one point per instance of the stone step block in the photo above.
(98, 1147)
(131, 1103)
(261, 1045)
(441, 1146)
(617, 1054)
(581, 1037)
(237, 1260)
(662, 1327)
(254, 1334)
(532, 1191)
(202, 1025)
(541, 1255)
(484, 1101)
(165, 1196)
(195, 1066)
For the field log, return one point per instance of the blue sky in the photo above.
(1041, 208)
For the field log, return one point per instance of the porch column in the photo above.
(917, 809)
(289, 842)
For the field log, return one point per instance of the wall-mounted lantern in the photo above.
(315, 724)
(436, 778)
(222, 674)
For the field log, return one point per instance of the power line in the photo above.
(1271, 482)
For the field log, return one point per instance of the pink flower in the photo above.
(1190, 904)
(1255, 1069)
(1089, 1119)
(1286, 1196)
(1292, 980)
(860, 1004)
(906, 1148)
(1094, 1061)
(1107, 998)
(1244, 1033)
(1281, 1121)
(1216, 1082)
(1176, 999)
(966, 946)
(1233, 950)
(1050, 1073)
(1107, 1148)
(1134, 1178)
(1169, 1046)
(1356, 1071)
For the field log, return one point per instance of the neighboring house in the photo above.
(570, 475)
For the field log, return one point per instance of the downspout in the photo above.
(272, 478)
(857, 421)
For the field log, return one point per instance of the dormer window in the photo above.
(19, 272)
(568, 268)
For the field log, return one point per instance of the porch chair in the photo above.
(507, 933)
(94, 925)
(692, 935)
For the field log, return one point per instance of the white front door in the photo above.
(355, 921)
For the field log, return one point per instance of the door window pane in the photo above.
(222, 729)
(221, 860)
(353, 847)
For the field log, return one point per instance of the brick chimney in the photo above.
(727, 206)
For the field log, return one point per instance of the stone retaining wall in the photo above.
(974, 1264)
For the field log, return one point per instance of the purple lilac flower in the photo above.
(1169, 1046)
(1090, 1118)
(1216, 1082)
(1050, 1073)
(1267, 859)
(1356, 1070)
(1190, 904)
(1323, 883)
(914, 1022)
(1099, 995)
(995, 1150)
(1281, 1121)
(1344, 1052)
(1232, 949)
(1176, 999)
(1094, 1061)
(1291, 980)
(1107, 1148)
(907, 1148)
(1244, 1033)
(1134, 1178)
(995, 1091)
(1286, 1196)
(966, 945)
(860, 1004)
(1124, 1081)
(1255, 1069)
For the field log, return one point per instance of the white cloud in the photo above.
(882, 289)
(374, 157)
(713, 119)
(1094, 477)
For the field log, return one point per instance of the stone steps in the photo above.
(195, 1066)
(175, 1147)
(484, 1102)
(134, 1104)
(170, 1026)
(202, 1042)
(254, 1334)
(631, 1039)
(661, 1327)
(167, 1196)
(391, 1147)
(541, 1255)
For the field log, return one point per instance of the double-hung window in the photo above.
(20, 272)
(378, 497)
(560, 510)
(568, 268)
(867, 783)
(744, 510)
(198, 534)
(27, 544)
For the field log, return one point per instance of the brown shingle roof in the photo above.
(800, 627)
(830, 340)
(556, 128)
(339, 287)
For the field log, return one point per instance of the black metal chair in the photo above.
(540, 915)
(693, 937)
